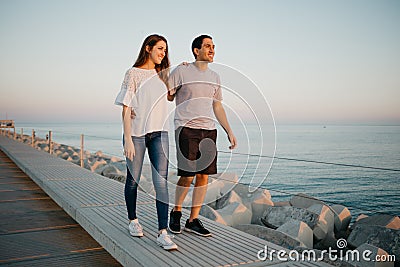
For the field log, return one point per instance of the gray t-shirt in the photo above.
(195, 90)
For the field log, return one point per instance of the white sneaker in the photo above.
(135, 229)
(164, 240)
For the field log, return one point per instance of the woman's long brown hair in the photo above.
(162, 68)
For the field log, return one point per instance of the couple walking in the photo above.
(144, 96)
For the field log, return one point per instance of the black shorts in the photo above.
(196, 151)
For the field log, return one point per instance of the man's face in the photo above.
(206, 52)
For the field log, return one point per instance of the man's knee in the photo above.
(202, 179)
(185, 181)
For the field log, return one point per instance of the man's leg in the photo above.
(199, 193)
(193, 224)
(182, 188)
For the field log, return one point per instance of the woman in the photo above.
(144, 115)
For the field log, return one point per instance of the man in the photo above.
(198, 97)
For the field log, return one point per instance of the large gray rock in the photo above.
(99, 153)
(379, 236)
(212, 214)
(360, 234)
(72, 152)
(230, 180)
(43, 146)
(235, 213)
(299, 231)
(361, 216)
(244, 191)
(342, 217)
(115, 159)
(281, 203)
(383, 220)
(97, 164)
(330, 241)
(325, 224)
(256, 200)
(259, 204)
(64, 155)
(276, 216)
(109, 170)
(270, 235)
(388, 240)
(119, 165)
(213, 193)
(304, 201)
(226, 200)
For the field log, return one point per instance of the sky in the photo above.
(312, 61)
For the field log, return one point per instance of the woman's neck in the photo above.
(149, 65)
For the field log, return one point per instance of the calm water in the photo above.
(363, 190)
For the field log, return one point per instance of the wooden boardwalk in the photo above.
(35, 231)
(97, 204)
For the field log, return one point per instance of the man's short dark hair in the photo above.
(198, 41)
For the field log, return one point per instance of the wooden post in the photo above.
(22, 134)
(15, 134)
(82, 150)
(33, 138)
(50, 144)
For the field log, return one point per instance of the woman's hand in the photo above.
(129, 149)
(133, 114)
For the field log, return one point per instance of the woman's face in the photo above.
(158, 52)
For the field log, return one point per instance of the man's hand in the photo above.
(232, 140)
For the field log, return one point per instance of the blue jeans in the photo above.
(158, 151)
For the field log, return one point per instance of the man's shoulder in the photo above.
(182, 67)
(178, 70)
(213, 73)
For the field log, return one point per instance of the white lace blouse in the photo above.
(145, 93)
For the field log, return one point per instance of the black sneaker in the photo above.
(196, 226)
(175, 222)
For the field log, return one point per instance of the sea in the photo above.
(357, 166)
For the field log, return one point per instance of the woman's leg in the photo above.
(158, 149)
(134, 170)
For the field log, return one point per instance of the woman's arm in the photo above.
(129, 148)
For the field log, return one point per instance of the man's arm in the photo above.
(220, 114)
(174, 83)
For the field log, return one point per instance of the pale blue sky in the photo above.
(315, 61)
